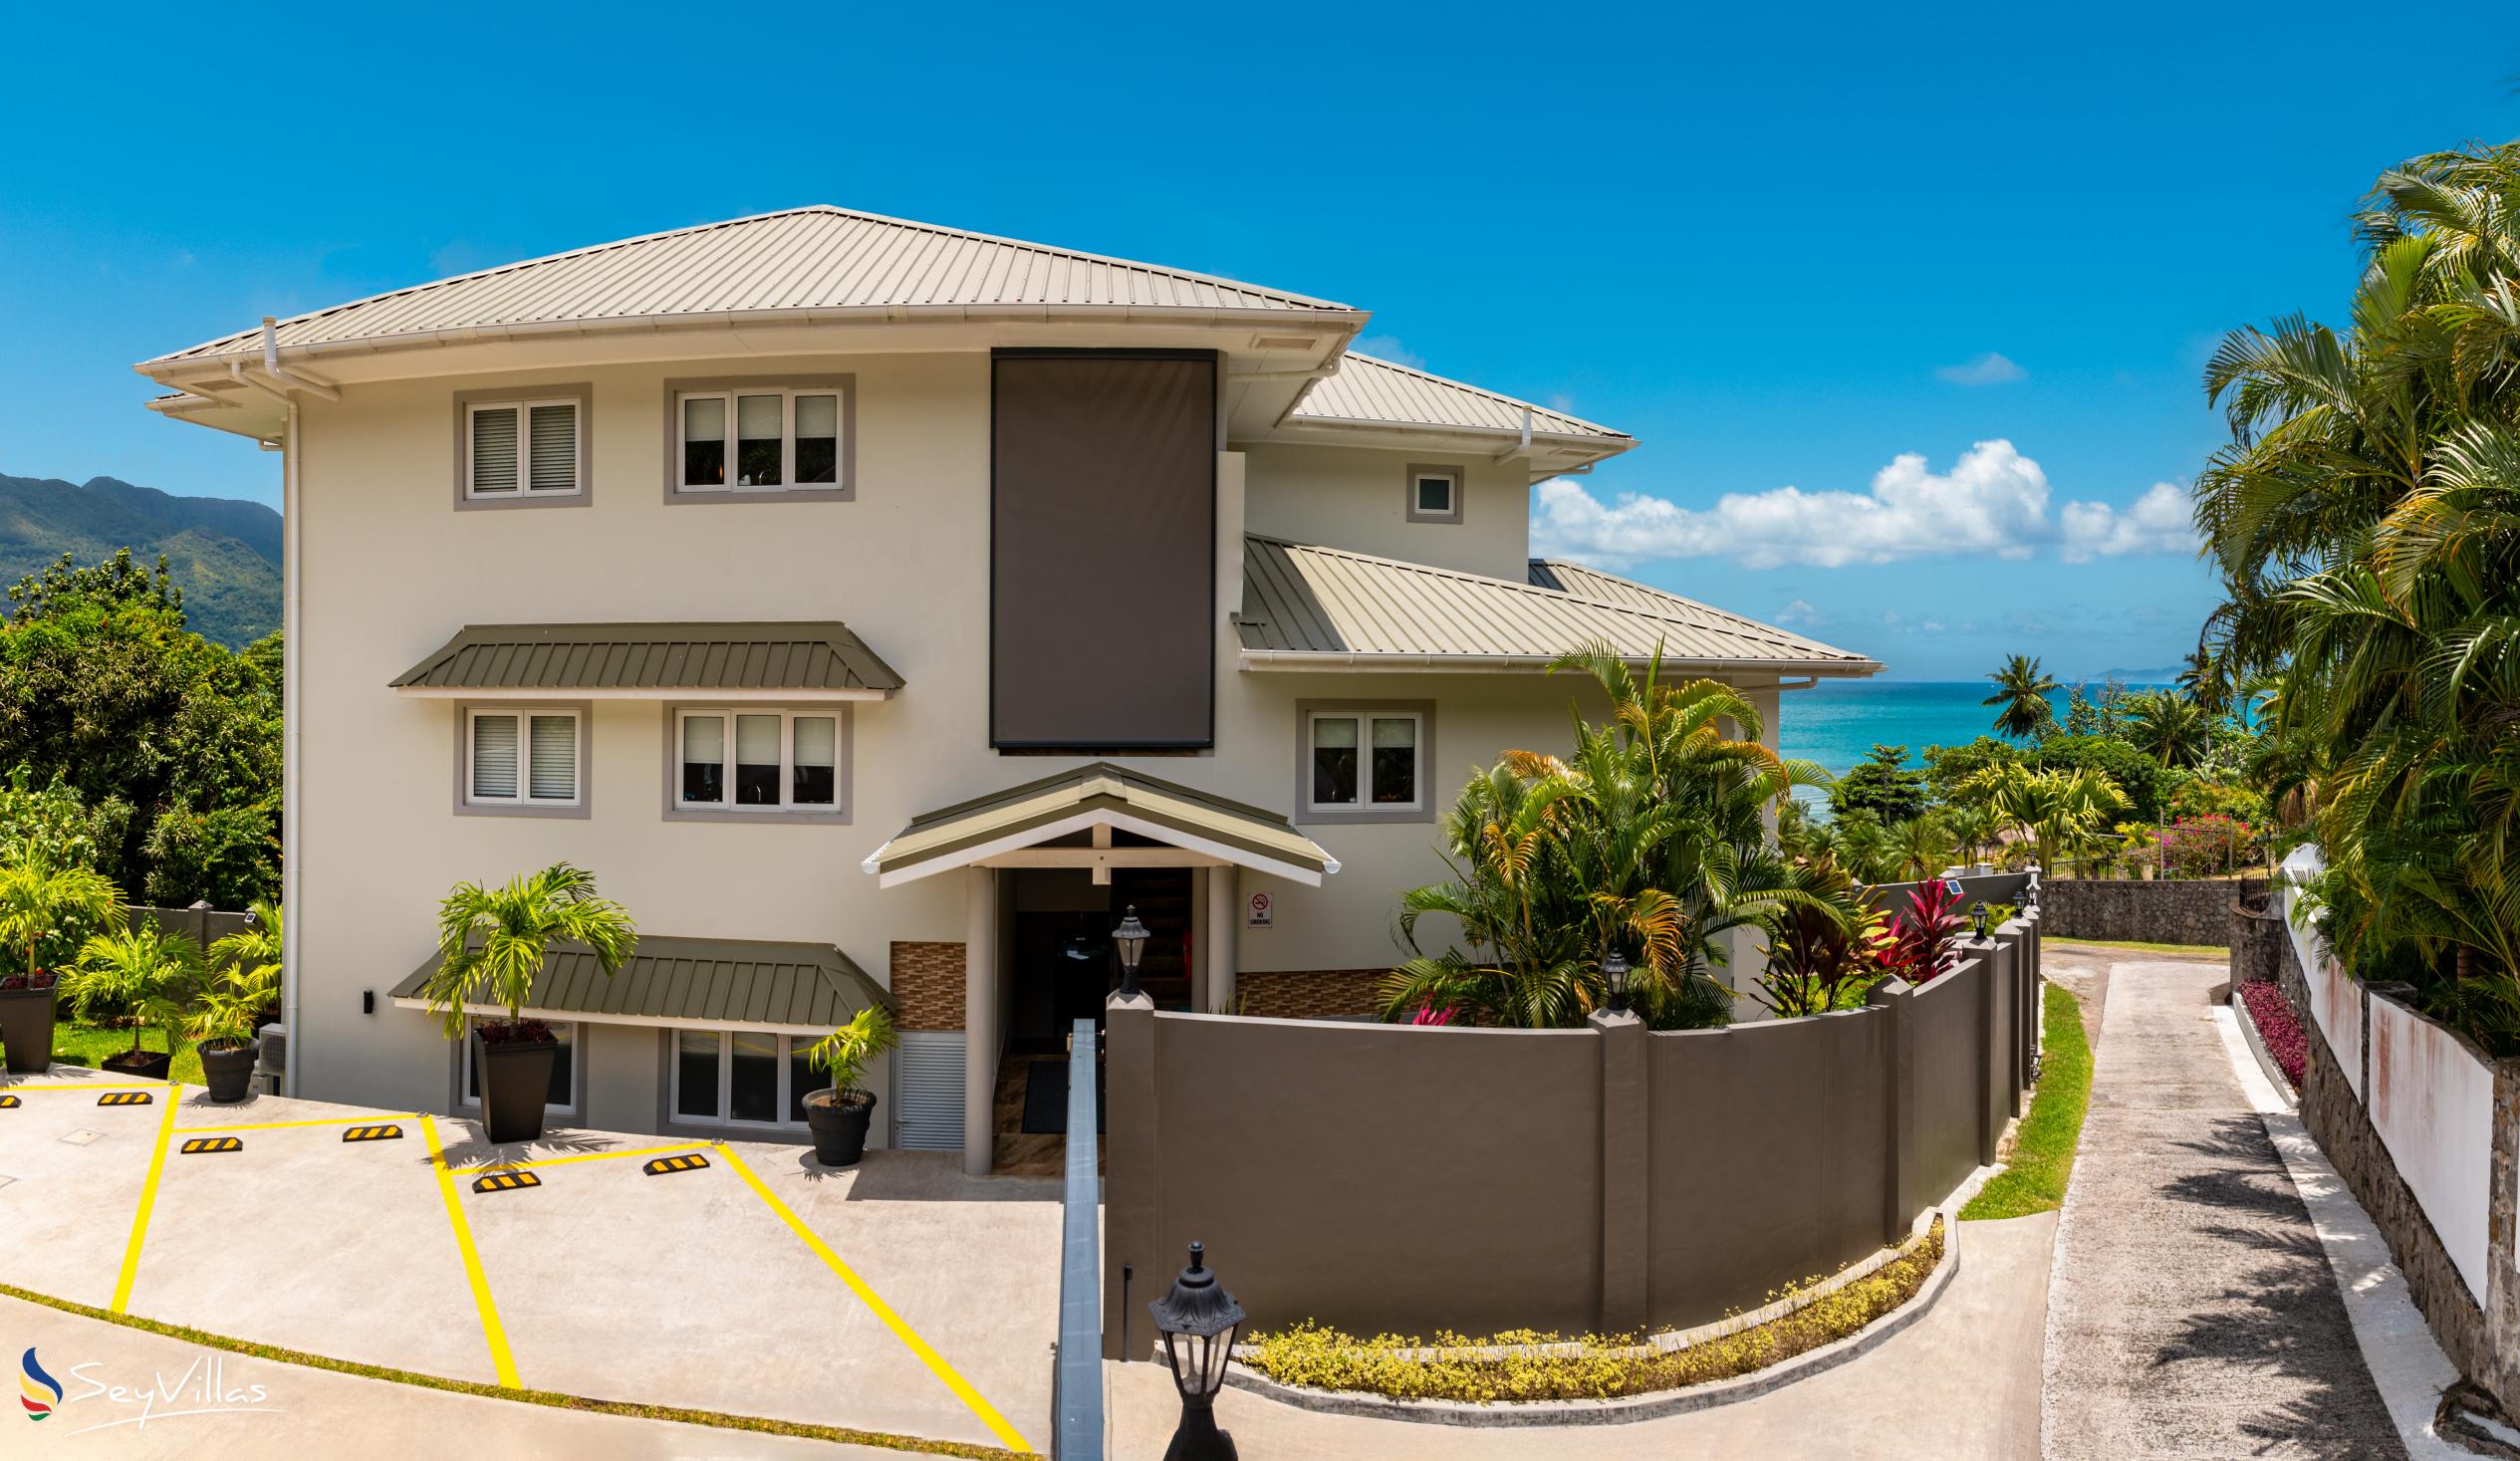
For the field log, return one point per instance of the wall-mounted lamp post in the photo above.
(1978, 916)
(1197, 1320)
(1131, 939)
(1615, 979)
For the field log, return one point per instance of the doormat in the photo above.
(1045, 1098)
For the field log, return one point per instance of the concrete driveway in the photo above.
(900, 1296)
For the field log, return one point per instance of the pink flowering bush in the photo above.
(2278, 1027)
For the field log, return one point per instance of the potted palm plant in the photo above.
(143, 974)
(42, 905)
(840, 1113)
(492, 944)
(228, 1006)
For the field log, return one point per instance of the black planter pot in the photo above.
(148, 1064)
(515, 1084)
(229, 1072)
(839, 1126)
(26, 1028)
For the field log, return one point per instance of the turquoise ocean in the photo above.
(1838, 722)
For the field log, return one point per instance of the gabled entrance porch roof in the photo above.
(1008, 828)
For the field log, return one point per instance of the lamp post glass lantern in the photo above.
(1131, 939)
(1978, 916)
(1199, 1322)
(1615, 977)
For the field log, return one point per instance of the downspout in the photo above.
(292, 738)
(271, 364)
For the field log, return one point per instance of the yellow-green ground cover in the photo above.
(2043, 1147)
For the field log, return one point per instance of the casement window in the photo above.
(517, 449)
(759, 439)
(563, 1101)
(522, 758)
(768, 762)
(1434, 494)
(741, 1077)
(1364, 759)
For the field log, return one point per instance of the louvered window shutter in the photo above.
(494, 451)
(552, 773)
(494, 757)
(551, 464)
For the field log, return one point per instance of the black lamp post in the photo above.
(1614, 976)
(1197, 1320)
(1131, 937)
(1978, 916)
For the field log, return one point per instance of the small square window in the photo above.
(1434, 494)
(521, 757)
(757, 441)
(521, 450)
(1367, 764)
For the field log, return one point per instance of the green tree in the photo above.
(48, 911)
(2142, 780)
(492, 942)
(1951, 769)
(2064, 812)
(1883, 785)
(143, 974)
(2170, 728)
(2022, 689)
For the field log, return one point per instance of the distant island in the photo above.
(223, 552)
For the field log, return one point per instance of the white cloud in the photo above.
(2156, 522)
(1800, 611)
(1989, 368)
(1389, 348)
(1993, 500)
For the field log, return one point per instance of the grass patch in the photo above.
(2217, 950)
(1593, 1368)
(2043, 1148)
(758, 1425)
(88, 1044)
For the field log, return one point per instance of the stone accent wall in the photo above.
(927, 986)
(2197, 912)
(2337, 1121)
(1307, 994)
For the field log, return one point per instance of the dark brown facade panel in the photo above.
(1102, 549)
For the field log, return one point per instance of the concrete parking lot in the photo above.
(898, 1296)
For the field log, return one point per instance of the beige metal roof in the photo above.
(729, 983)
(1098, 794)
(818, 262)
(1308, 608)
(1586, 582)
(1371, 391)
(817, 658)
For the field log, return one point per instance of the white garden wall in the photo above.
(2431, 1099)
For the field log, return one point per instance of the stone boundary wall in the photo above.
(2197, 911)
(2337, 1120)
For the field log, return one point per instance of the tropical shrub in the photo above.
(2141, 782)
(1883, 786)
(143, 975)
(1920, 942)
(2278, 1028)
(1649, 838)
(1820, 955)
(847, 1050)
(48, 913)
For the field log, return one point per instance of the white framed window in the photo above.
(759, 439)
(562, 1099)
(1364, 759)
(1434, 494)
(521, 449)
(770, 761)
(522, 758)
(740, 1077)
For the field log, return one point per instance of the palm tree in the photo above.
(492, 942)
(142, 973)
(42, 904)
(2169, 727)
(2022, 689)
(1925, 846)
(2062, 809)
(245, 981)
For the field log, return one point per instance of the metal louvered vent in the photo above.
(927, 1084)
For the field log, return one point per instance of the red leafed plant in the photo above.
(2278, 1027)
(1434, 1013)
(1917, 944)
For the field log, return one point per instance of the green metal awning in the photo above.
(738, 661)
(703, 983)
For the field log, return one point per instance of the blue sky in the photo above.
(1799, 247)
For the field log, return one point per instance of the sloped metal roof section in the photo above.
(1098, 794)
(751, 661)
(1306, 607)
(1586, 582)
(720, 983)
(818, 262)
(1367, 392)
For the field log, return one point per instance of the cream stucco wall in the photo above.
(391, 570)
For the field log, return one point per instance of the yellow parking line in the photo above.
(901, 1329)
(562, 1161)
(369, 1120)
(148, 1202)
(493, 1332)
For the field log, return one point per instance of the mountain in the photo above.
(222, 551)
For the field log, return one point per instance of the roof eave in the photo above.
(1347, 662)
